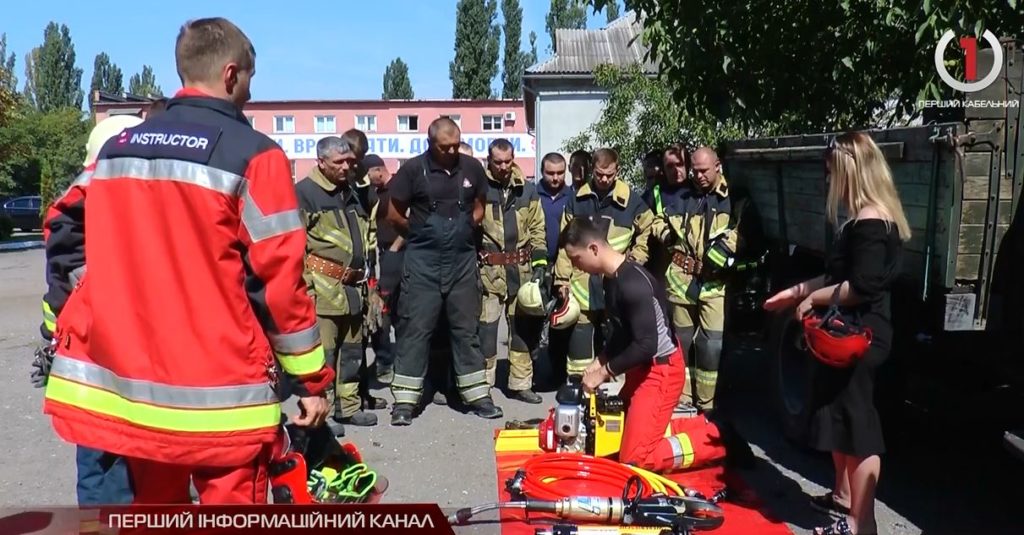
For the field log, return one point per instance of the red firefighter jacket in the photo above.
(189, 253)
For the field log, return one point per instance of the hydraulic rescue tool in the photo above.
(679, 515)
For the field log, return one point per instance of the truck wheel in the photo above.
(793, 376)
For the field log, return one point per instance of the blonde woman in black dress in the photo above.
(863, 264)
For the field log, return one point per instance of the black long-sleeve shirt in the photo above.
(637, 312)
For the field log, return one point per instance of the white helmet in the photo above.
(566, 315)
(530, 300)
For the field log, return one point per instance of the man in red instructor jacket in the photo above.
(169, 350)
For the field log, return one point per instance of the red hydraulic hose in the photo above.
(552, 476)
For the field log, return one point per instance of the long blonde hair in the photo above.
(861, 177)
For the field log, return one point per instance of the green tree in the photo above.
(611, 10)
(59, 138)
(397, 85)
(565, 14)
(532, 56)
(515, 60)
(476, 49)
(58, 83)
(144, 84)
(106, 75)
(29, 92)
(10, 80)
(740, 60)
(641, 115)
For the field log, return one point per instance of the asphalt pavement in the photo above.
(446, 457)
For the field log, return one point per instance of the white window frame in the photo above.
(456, 117)
(501, 122)
(284, 121)
(398, 122)
(368, 123)
(325, 130)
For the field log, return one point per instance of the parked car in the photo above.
(24, 211)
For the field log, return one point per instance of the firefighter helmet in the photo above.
(834, 339)
(566, 313)
(530, 299)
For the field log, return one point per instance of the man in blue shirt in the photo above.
(554, 193)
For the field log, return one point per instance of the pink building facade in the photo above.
(396, 129)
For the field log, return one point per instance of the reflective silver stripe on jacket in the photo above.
(261, 226)
(296, 342)
(186, 397)
(193, 173)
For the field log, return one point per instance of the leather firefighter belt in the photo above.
(521, 256)
(334, 270)
(689, 264)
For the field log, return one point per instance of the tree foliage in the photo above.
(48, 149)
(29, 91)
(58, 82)
(810, 65)
(144, 84)
(611, 11)
(397, 85)
(106, 75)
(515, 60)
(565, 14)
(10, 80)
(641, 115)
(476, 49)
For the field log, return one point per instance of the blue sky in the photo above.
(309, 49)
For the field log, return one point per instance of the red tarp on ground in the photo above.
(744, 512)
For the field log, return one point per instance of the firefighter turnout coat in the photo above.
(170, 345)
(628, 220)
(696, 229)
(513, 225)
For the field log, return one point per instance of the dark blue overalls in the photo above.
(440, 276)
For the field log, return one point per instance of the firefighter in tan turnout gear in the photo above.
(340, 248)
(513, 261)
(695, 226)
(627, 220)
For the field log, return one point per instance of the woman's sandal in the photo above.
(841, 527)
(826, 503)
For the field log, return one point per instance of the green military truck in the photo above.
(957, 308)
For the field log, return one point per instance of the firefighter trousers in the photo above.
(422, 301)
(158, 483)
(342, 338)
(652, 439)
(523, 339)
(700, 327)
(585, 341)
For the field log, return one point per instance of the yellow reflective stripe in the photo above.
(682, 450)
(49, 318)
(339, 239)
(303, 363)
(676, 284)
(167, 418)
(539, 262)
(717, 257)
(621, 242)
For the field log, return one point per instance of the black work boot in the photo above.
(527, 396)
(485, 408)
(337, 428)
(401, 414)
(440, 398)
(385, 374)
(374, 403)
(360, 419)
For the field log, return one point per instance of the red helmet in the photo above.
(834, 339)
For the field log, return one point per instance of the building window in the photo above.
(455, 117)
(408, 123)
(492, 123)
(252, 120)
(366, 123)
(284, 124)
(324, 124)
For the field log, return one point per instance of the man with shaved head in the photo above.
(693, 221)
(443, 192)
